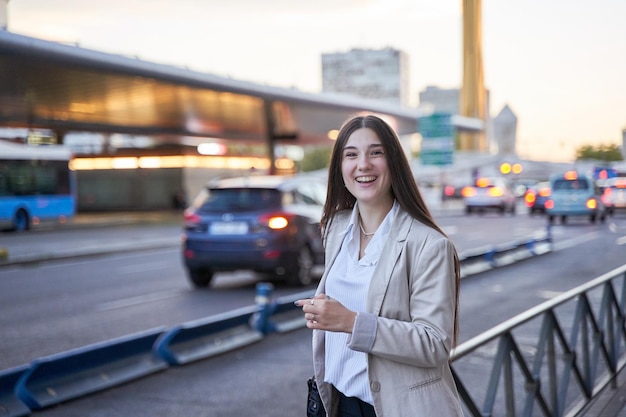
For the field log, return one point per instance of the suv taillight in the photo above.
(468, 191)
(544, 192)
(191, 219)
(276, 221)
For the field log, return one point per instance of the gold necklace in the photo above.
(364, 233)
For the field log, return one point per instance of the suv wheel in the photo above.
(200, 278)
(301, 272)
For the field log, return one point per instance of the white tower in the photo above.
(505, 131)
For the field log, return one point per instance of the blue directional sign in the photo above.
(437, 139)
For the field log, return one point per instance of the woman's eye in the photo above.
(377, 152)
(349, 155)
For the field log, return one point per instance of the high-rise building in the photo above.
(377, 74)
(440, 100)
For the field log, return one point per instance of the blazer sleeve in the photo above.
(416, 321)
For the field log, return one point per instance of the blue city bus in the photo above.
(36, 186)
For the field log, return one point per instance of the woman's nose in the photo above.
(364, 162)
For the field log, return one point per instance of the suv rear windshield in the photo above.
(578, 184)
(238, 200)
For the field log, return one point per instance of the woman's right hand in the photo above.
(325, 313)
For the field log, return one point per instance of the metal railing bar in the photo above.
(552, 334)
(531, 382)
(583, 309)
(494, 379)
(606, 323)
(509, 389)
(505, 326)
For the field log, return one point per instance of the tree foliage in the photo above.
(316, 158)
(608, 153)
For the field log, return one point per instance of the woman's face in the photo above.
(364, 168)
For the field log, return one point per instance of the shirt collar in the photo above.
(373, 250)
(386, 224)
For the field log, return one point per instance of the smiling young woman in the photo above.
(391, 275)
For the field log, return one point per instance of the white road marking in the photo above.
(142, 299)
(63, 263)
(148, 266)
(546, 294)
(576, 241)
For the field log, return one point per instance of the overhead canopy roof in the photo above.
(67, 88)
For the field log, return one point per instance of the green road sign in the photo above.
(437, 139)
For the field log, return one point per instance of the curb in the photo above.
(87, 252)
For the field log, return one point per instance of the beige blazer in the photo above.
(410, 310)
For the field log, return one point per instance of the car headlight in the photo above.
(592, 204)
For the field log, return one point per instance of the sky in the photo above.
(560, 65)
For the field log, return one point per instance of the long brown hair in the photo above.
(403, 186)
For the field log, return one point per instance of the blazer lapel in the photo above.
(387, 262)
(333, 243)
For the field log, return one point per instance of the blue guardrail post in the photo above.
(263, 299)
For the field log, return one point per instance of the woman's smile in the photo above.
(365, 180)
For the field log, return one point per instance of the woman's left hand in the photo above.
(325, 313)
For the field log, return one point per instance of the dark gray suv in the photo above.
(268, 224)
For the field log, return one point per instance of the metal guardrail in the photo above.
(493, 256)
(551, 360)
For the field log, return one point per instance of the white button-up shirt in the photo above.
(348, 282)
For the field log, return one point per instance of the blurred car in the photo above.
(521, 186)
(574, 194)
(267, 224)
(487, 193)
(452, 191)
(614, 194)
(536, 197)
